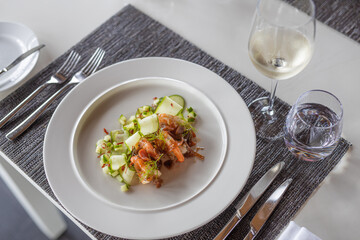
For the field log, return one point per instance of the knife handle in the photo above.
(249, 236)
(23, 56)
(35, 115)
(5, 119)
(228, 228)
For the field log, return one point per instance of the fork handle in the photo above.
(5, 119)
(35, 115)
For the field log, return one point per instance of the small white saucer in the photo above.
(16, 39)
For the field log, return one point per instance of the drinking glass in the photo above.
(281, 44)
(313, 126)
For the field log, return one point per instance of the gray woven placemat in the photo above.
(132, 34)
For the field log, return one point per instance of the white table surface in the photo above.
(221, 28)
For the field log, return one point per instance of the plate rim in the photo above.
(232, 195)
(143, 80)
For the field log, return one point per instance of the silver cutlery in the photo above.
(59, 77)
(90, 67)
(248, 201)
(21, 57)
(266, 210)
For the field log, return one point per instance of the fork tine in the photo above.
(66, 61)
(93, 62)
(72, 63)
(97, 62)
(69, 61)
(57, 78)
(84, 69)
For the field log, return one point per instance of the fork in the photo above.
(59, 77)
(85, 72)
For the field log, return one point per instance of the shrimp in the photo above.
(140, 168)
(145, 173)
(173, 146)
(169, 122)
(143, 155)
(149, 148)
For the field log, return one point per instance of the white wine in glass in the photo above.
(280, 46)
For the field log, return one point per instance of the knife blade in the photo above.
(21, 57)
(266, 210)
(248, 201)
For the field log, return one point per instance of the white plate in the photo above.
(184, 181)
(198, 191)
(16, 39)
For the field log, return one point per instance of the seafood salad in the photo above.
(157, 136)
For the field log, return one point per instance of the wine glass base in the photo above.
(268, 124)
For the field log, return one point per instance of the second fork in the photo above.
(86, 71)
(59, 77)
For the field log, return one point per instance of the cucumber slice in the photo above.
(146, 114)
(131, 127)
(128, 175)
(169, 106)
(107, 138)
(131, 119)
(115, 173)
(149, 124)
(156, 102)
(119, 178)
(132, 140)
(104, 158)
(119, 148)
(178, 99)
(117, 161)
(118, 136)
(145, 108)
(100, 145)
(122, 119)
(191, 116)
(143, 112)
(124, 188)
(106, 170)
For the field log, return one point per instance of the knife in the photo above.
(266, 209)
(21, 57)
(248, 201)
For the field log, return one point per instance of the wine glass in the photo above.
(281, 44)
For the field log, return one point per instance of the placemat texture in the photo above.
(343, 16)
(132, 34)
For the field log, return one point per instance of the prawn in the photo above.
(169, 122)
(140, 168)
(149, 148)
(145, 174)
(173, 146)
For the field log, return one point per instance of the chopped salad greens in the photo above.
(155, 136)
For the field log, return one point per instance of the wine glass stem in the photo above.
(274, 84)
